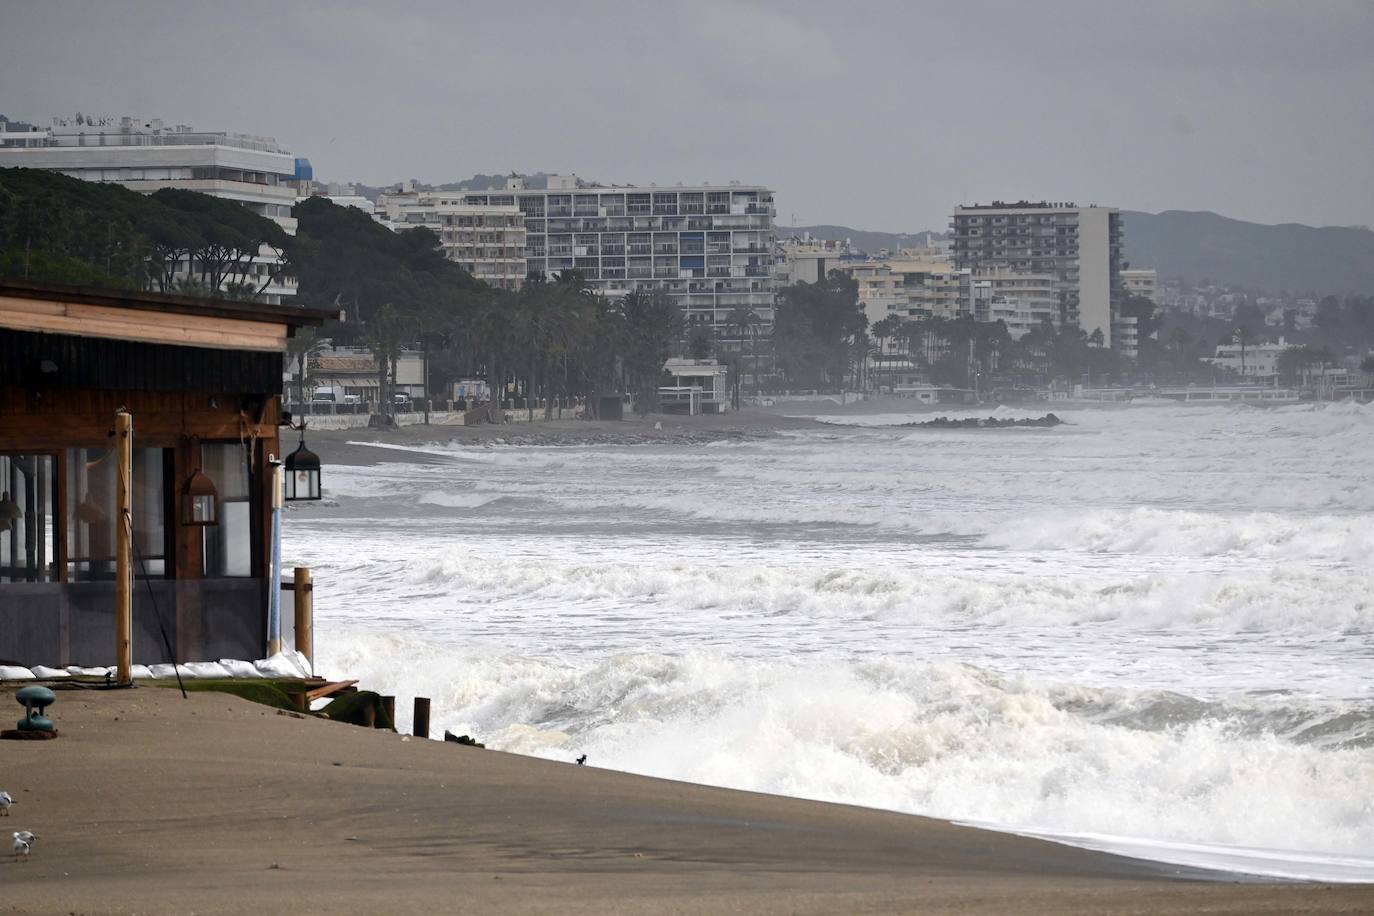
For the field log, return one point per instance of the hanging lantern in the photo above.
(302, 473)
(199, 501)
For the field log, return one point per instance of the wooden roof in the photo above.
(152, 317)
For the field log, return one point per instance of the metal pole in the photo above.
(274, 583)
(304, 595)
(124, 570)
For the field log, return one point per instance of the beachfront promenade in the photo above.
(153, 804)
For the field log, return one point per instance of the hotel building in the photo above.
(146, 156)
(711, 248)
(486, 240)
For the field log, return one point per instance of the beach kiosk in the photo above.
(158, 413)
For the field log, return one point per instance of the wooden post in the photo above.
(421, 725)
(389, 704)
(124, 570)
(304, 595)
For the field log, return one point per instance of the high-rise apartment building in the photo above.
(146, 156)
(1079, 246)
(710, 248)
(486, 240)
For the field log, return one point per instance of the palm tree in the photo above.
(743, 320)
(1244, 337)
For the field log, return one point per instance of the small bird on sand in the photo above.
(581, 760)
(5, 802)
(23, 843)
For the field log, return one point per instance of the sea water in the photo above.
(1149, 630)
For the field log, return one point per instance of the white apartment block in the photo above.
(910, 288)
(486, 240)
(1079, 246)
(1259, 361)
(146, 156)
(711, 248)
(1143, 283)
(1021, 299)
(809, 260)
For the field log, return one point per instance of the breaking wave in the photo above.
(941, 739)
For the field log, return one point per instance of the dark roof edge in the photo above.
(291, 315)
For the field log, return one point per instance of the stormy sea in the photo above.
(1149, 630)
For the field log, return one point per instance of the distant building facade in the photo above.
(1079, 246)
(487, 240)
(1143, 283)
(710, 248)
(147, 155)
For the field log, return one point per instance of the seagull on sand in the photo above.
(5, 802)
(23, 843)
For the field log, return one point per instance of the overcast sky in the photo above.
(873, 115)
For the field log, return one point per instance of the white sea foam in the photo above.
(941, 739)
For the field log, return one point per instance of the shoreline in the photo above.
(154, 804)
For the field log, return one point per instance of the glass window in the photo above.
(91, 513)
(28, 529)
(229, 544)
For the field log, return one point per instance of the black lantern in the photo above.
(200, 501)
(302, 472)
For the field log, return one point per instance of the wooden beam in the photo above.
(81, 320)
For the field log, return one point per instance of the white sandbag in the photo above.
(206, 669)
(15, 673)
(239, 668)
(303, 663)
(87, 672)
(141, 672)
(168, 671)
(47, 674)
(279, 665)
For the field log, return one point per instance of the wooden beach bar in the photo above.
(164, 411)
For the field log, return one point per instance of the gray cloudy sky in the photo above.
(870, 114)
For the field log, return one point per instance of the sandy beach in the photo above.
(149, 803)
(357, 446)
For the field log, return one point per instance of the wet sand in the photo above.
(149, 803)
(359, 446)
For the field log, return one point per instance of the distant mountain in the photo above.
(1206, 246)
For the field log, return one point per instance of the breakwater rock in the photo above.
(1045, 422)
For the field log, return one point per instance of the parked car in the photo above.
(322, 397)
(401, 400)
(353, 399)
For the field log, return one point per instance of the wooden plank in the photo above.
(147, 327)
(331, 688)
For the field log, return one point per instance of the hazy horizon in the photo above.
(880, 117)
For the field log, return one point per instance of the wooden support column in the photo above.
(420, 726)
(124, 571)
(303, 591)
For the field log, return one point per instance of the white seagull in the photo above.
(23, 843)
(5, 802)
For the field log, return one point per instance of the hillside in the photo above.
(1203, 245)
